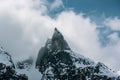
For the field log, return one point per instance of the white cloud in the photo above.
(114, 24)
(56, 4)
(24, 28)
(114, 37)
(79, 31)
(82, 35)
(111, 51)
(21, 26)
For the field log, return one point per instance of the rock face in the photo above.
(7, 68)
(56, 61)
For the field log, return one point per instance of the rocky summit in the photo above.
(57, 61)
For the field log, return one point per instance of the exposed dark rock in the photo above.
(56, 61)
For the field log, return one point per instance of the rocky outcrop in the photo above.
(56, 61)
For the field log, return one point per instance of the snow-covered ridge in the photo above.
(56, 60)
(5, 57)
(31, 72)
(7, 68)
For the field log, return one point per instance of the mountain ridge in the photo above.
(7, 67)
(56, 61)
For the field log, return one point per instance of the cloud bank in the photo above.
(25, 27)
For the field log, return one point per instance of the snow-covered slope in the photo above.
(31, 72)
(28, 67)
(5, 58)
(56, 61)
(7, 68)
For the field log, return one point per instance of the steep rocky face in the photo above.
(52, 45)
(58, 42)
(7, 68)
(56, 61)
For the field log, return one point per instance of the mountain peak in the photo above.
(56, 29)
(57, 34)
(56, 61)
(58, 41)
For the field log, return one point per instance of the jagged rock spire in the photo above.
(56, 61)
(58, 41)
(52, 45)
(57, 34)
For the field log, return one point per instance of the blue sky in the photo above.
(110, 8)
(91, 27)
